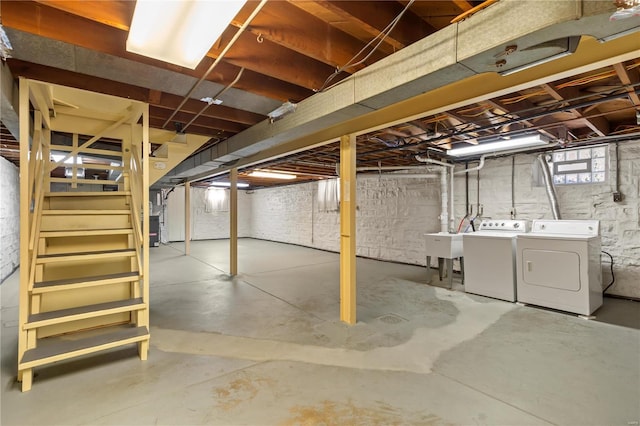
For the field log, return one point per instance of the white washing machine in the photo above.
(489, 258)
(558, 265)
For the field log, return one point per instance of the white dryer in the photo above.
(490, 260)
(558, 265)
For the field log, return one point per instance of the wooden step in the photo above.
(82, 312)
(83, 212)
(66, 349)
(85, 232)
(87, 194)
(73, 283)
(88, 255)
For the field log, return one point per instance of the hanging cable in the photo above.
(382, 35)
(613, 277)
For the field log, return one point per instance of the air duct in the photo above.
(548, 183)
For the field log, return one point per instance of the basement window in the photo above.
(329, 195)
(216, 200)
(580, 166)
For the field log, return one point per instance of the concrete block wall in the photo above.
(214, 225)
(284, 214)
(394, 213)
(204, 225)
(9, 218)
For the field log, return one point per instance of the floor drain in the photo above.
(391, 319)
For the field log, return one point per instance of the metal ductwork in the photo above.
(548, 184)
(508, 36)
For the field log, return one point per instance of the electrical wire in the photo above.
(613, 277)
(382, 35)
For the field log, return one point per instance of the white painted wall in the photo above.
(9, 218)
(204, 225)
(394, 213)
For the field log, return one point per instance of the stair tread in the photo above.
(71, 212)
(86, 253)
(68, 281)
(33, 318)
(69, 232)
(51, 352)
(87, 194)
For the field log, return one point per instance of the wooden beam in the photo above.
(348, 229)
(113, 13)
(273, 60)
(39, 19)
(233, 222)
(110, 87)
(289, 26)
(25, 204)
(525, 104)
(599, 125)
(628, 80)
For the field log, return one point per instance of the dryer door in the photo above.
(551, 268)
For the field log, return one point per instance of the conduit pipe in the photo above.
(548, 183)
(388, 168)
(400, 175)
(217, 60)
(217, 95)
(473, 169)
(445, 217)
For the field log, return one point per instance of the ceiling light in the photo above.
(500, 145)
(272, 175)
(228, 184)
(179, 32)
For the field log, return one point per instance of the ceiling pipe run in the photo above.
(478, 167)
(213, 99)
(217, 60)
(400, 175)
(446, 219)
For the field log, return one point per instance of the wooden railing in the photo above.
(134, 178)
(38, 184)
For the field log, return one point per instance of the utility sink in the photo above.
(445, 245)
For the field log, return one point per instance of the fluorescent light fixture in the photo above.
(501, 145)
(284, 109)
(272, 175)
(228, 184)
(179, 32)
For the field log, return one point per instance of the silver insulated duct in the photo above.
(548, 183)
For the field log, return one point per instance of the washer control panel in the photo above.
(505, 225)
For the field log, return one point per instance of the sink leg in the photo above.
(440, 267)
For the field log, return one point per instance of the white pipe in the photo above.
(473, 169)
(432, 161)
(399, 175)
(389, 168)
(452, 216)
(444, 216)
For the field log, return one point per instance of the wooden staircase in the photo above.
(84, 251)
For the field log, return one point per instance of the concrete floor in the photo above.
(267, 348)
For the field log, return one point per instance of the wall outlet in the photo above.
(617, 197)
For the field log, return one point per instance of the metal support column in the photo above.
(233, 223)
(187, 218)
(348, 229)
